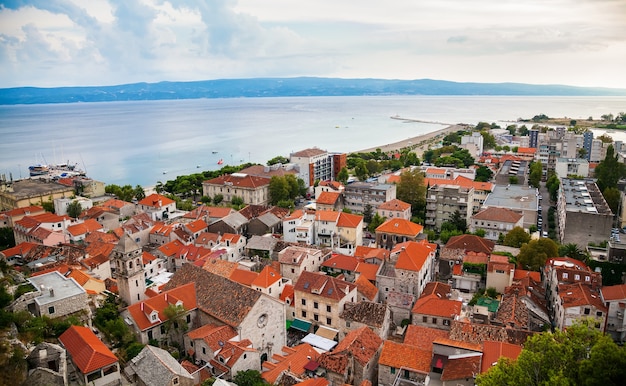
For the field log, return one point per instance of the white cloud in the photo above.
(67, 42)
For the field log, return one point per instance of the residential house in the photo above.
(521, 199)
(154, 366)
(394, 209)
(138, 228)
(358, 195)
(400, 304)
(47, 229)
(400, 361)
(355, 358)
(149, 318)
(121, 208)
(614, 298)
(161, 233)
(99, 266)
(261, 246)
(341, 264)
(469, 274)
(435, 312)
(299, 228)
(366, 290)
(53, 295)
(329, 186)
(103, 216)
(235, 356)
(329, 201)
(294, 260)
(456, 248)
(423, 337)
(61, 204)
(205, 341)
(320, 298)
(78, 232)
(96, 364)
(254, 315)
(376, 316)
(158, 207)
(244, 277)
(295, 361)
(233, 223)
(493, 351)
(462, 180)
(10, 217)
(458, 362)
(395, 231)
(269, 282)
(251, 189)
(496, 222)
(234, 245)
(500, 272)
(266, 223)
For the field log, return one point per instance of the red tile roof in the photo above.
(287, 293)
(400, 226)
(579, 294)
(437, 288)
(493, 351)
(435, 306)
(140, 312)
(85, 227)
(292, 359)
(267, 277)
(243, 276)
(458, 344)
(366, 288)
(470, 243)
(367, 270)
(460, 181)
(343, 262)
(323, 285)
(476, 258)
(348, 220)
(522, 273)
(328, 198)
(361, 344)
(370, 253)
(461, 368)
(503, 215)
(213, 335)
(413, 254)
(405, 356)
(327, 215)
(156, 200)
(240, 181)
(394, 205)
(87, 351)
(527, 150)
(423, 337)
(220, 267)
(614, 292)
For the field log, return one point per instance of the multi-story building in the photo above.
(32, 191)
(394, 209)
(521, 199)
(157, 206)
(533, 135)
(395, 231)
(252, 190)
(320, 298)
(583, 215)
(614, 297)
(299, 227)
(294, 260)
(588, 144)
(314, 165)
(476, 139)
(46, 228)
(443, 200)
(568, 167)
(359, 194)
(127, 258)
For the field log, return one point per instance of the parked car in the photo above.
(545, 233)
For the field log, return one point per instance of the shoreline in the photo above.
(419, 144)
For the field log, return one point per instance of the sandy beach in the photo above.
(419, 144)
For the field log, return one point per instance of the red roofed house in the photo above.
(408, 270)
(203, 342)
(614, 297)
(253, 190)
(456, 248)
(495, 221)
(149, 317)
(341, 231)
(47, 229)
(457, 362)
(403, 361)
(95, 362)
(397, 230)
(269, 282)
(329, 201)
(341, 264)
(354, 359)
(500, 272)
(320, 298)
(298, 227)
(78, 232)
(295, 259)
(14, 215)
(292, 360)
(493, 351)
(394, 209)
(435, 312)
(157, 206)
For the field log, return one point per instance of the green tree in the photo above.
(48, 206)
(489, 141)
(7, 238)
(74, 209)
(343, 175)
(610, 170)
(516, 237)
(552, 184)
(367, 213)
(483, 174)
(217, 199)
(458, 221)
(536, 172)
(411, 189)
(175, 319)
(279, 159)
(377, 221)
(140, 193)
(361, 172)
(236, 201)
(279, 190)
(248, 378)
(372, 167)
(572, 250)
(206, 200)
(513, 180)
(533, 255)
(612, 197)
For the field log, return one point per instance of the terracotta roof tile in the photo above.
(405, 356)
(225, 300)
(423, 337)
(220, 267)
(323, 285)
(239, 181)
(412, 255)
(435, 306)
(328, 198)
(362, 344)
(493, 213)
(493, 351)
(400, 226)
(476, 258)
(579, 294)
(87, 351)
(470, 243)
(348, 220)
(343, 262)
(311, 152)
(327, 215)
(287, 293)
(614, 292)
(394, 205)
(156, 200)
(215, 336)
(140, 311)
(85, 227)
(368, 271)
(243, 276)
(370, 253)
(292, 359)
(370, 313)
(266, 277)
(461, 368)
(437, 288)
(458, 344)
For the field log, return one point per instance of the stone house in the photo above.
(457, 247)
(269, 282)
(354, 359)
(295, 259)
(254, 315)
(329, 201)
(47, 365)
(149, 320)
(54, 296)
(435, 312)
(295, 361)
(78, 232)
(234, 245)
(154, 366)
(376, 316)
(495, 222)
(205, 341)
(95, 363)
(123, 209)
(138, 228)
(400, 361)
(395, 231)
(47, 229)
(10, 217)
(320, 298)
(103, 216)
(235, 223)
(266, 223)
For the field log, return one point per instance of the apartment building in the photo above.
(359, 194)
(442, 200)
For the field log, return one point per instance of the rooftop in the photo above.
(583, 196)
(55, 287)
(514, 197)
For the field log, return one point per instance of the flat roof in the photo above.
(62, 287)
(513, 197)
(583, 196)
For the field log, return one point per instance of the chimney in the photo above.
(141, 306)
(51, 292)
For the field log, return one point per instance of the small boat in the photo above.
(221, 161)
(214, 152)
(197, 166)
(164, 171)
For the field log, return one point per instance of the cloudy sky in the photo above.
(51, 43)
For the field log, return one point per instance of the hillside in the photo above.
(285, 87)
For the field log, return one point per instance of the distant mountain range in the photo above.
(286, 87)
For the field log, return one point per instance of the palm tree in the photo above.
(572, 250)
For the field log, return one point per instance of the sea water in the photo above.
(142, 142)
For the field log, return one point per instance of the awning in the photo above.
(327, 332)
(301, 325)
(319, 342)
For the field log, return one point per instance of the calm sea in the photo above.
(144, 142)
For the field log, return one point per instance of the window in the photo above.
(587, 310)
(316, 317)
(329, 321)
(347, 324)
(150, 335)
(328, 308)
(577, 277)
(203, 350)
(424, 319)
(162, 329)
(51, 310)
(587, 278)
(175, 381)
(304, 314)
(446, 322)
(315, 305)
(565, 275)
(304, 302)
(599, 313)
(188, 318)
(434, 320)
(393, 370)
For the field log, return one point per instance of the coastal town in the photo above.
(437, 260)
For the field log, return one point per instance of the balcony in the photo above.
(431, 207)
(430, 221)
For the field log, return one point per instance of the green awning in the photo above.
(301, 325)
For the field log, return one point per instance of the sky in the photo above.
(51, 43)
